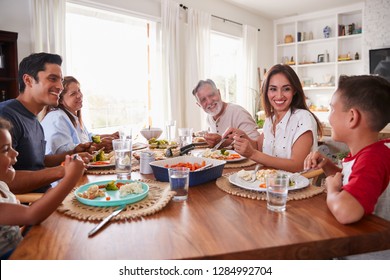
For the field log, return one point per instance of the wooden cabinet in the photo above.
(320, 57)
(8, 65)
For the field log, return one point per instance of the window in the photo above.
(225, 64)
(114, 57)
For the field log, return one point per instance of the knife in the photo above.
(106, 220)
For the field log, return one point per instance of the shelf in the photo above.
(318, 47)
(9, 73)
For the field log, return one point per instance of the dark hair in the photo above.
(370, 94)
(35, 63)
(298, 101)
(201, 83)
(66, 82)
(5, 124)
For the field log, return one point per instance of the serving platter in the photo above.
(115, 198)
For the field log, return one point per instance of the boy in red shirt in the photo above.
(359, 111)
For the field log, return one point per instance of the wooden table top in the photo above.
(211, 224)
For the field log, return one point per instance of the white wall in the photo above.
(15, 16)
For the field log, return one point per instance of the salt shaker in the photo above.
(145, 159)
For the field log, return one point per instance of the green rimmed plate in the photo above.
(115, 198)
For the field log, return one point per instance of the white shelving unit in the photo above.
(308, 57)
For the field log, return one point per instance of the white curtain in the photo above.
(171, 74)
(48, 26)
(249, 87)
(197, 63)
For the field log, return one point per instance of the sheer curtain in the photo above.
(171, 74)
(197, 63)
(249, 87)
(48, 26)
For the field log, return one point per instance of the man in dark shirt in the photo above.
(40, 84)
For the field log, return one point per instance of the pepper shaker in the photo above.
(145, 159)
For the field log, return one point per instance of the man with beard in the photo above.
(222, 115)
(40, 84)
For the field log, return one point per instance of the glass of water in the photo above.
(179, 182)
(122, 148)
(277, 190)
(185, 136)
(170, 127)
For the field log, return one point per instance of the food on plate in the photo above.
(158, 154)
(92, 192)
(160, 143)
(192, 166)
(260, 176)
(103, 158)
(198, 139)
(124, 189)
(131, 188)
(222, 154)
(96, 139)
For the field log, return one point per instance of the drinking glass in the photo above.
(170, 127)
(122, 148)
(179, 182)
(185, 136)
(277, 190)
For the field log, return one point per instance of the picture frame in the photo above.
(321, 58)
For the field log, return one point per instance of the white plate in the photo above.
(300, 183)
(139, 146)
(101, 165)
(199, 153)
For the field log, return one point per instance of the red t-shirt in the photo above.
(367, 174)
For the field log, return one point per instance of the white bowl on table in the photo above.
(152, 132)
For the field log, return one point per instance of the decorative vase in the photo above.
(288, 38)
(326, 31)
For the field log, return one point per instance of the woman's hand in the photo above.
(243, 146)
(82, 147)
(314, 160)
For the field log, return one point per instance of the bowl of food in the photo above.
(151, 132)
(209, 169)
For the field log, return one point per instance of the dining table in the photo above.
(211, 224)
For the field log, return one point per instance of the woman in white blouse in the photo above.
(63, 125)
(290, 130)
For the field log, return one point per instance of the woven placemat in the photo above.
(239, 164)
(158, 197)
(111, 170)
(224, 184)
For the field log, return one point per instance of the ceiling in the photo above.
(275, 9)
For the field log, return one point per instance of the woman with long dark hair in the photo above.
(290, 130)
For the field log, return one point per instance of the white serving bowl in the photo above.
(150, 133)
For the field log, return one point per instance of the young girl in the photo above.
(14, 214)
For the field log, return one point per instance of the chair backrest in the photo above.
(382, 208)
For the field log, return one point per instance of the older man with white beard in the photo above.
(222, 115)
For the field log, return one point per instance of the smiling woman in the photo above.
(117, 64)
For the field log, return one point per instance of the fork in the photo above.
(219, 144)
(254, 174)
(296, 175)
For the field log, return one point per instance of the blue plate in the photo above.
(115, 199)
